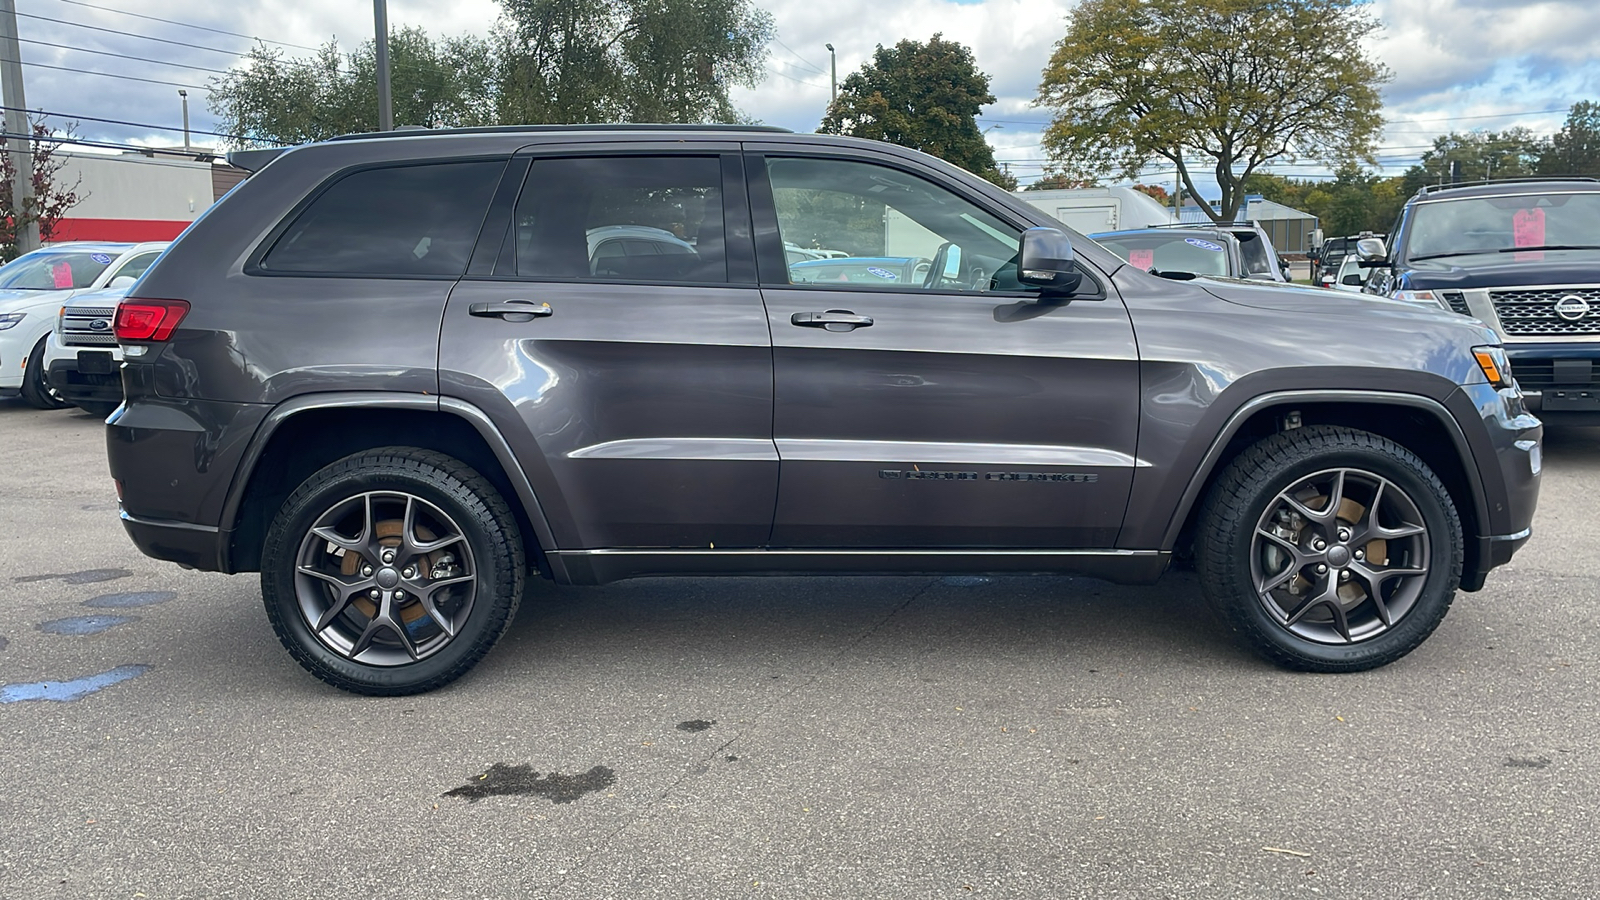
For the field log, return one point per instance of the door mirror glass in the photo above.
(1351, 280)
(1371, 248)
(1046, 260)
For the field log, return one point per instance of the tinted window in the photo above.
(872, 225)
(135, 267)
(656, 219)
(404, 220)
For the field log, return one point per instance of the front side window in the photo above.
(135, 266)
(865, 225)
(413, 220)
(622, 218)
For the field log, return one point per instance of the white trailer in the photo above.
(1091, 210)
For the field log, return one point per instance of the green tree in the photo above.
(52, 196)
(274, 98)
(1481, 155)
(628, 60)
(1575, 149)
(923, 96)
(1055, 181)
(1227, 85)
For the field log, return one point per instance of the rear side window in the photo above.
(402, 220)
(622, 218)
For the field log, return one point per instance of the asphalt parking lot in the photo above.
(825, 737)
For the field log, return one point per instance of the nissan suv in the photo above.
(389, 373)
(1522, 256)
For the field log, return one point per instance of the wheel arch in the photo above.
(1420, 424)
(306, 433)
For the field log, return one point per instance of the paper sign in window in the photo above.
(1527, 230)
(1144, 259)
(62, 273)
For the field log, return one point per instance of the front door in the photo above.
(923, 398)
(620, 340)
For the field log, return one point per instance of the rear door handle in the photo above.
(511, 310)
(832, 320)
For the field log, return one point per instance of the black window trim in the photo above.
(769, 241)
(252, 265)
(738, 249)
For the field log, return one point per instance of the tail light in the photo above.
(149, 320)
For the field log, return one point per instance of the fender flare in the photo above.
(1208, 463)
(480, 422)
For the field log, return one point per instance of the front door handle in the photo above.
(832, 320)
(511, 310)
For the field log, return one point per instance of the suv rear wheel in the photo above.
(1329, 549)
(392, 571)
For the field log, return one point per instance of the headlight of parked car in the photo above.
(1428, 297)
(9, 320)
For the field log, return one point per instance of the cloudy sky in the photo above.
(1458, 64)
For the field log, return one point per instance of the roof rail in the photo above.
(1427, 189)
(414, 131)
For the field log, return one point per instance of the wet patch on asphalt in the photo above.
(85, 624)
(134, 598)
(87, 576)
(505, 780)
(696, 724)
(1527, 762)
(67, 691)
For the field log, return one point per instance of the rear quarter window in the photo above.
(411, 220)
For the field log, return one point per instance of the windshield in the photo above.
(53, 271)
(1504, 224)
(1170, 252)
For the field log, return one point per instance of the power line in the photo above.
(76, 118)
(142, 37)
(32, 65)
(249, 37)
(808, 62)
(792, 78)
(107, 145)
(122, 56)
(1530, 112)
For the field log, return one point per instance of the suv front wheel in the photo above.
(1328, 549)
(392, 571)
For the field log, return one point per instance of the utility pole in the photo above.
(833, 74)
(185, 95)
(380, 15)
(19, 145)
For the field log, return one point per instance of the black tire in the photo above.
(36, 389)
(447, 494)
(1252, 535)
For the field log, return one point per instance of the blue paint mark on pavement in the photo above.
(64, 691)
(85, 624)
(123, 601)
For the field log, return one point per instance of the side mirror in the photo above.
(122, 281)
(1045, 260)
(1371, 249)
(1352, 280)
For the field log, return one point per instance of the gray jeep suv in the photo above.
(396, 376)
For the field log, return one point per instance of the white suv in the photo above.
(33, 288)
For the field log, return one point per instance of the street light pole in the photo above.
(185, 95)
(380, 16)
(833, 74)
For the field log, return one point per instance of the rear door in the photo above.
(616, 332)
(956, 411)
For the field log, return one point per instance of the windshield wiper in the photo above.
(1450, 253)
(1549, 247)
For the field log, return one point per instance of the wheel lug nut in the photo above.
(1322, 569)
(1344, 576)
(366, 571)
(399, 595)
(1319, 544)
(1361, 554)
(374, 593)
(408, 572)
(1344, 534)
(388, 556)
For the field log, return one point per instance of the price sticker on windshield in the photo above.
(1144, 259)
(1527, 230)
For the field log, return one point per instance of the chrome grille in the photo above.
(1532, 311)
(77, 326)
